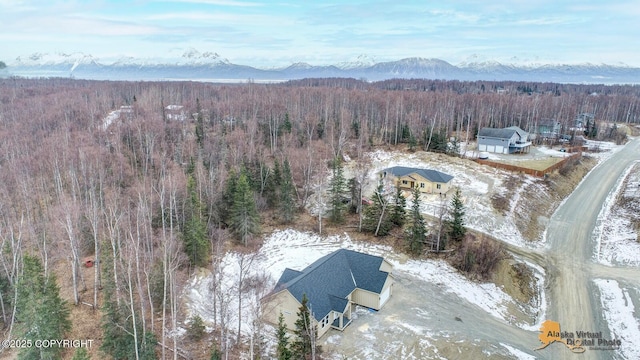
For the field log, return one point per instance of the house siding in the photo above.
(323, 329)
(424, 185)
(387, 285)
(494, 145)
(366, 298)
(386, 266)
(285, 303)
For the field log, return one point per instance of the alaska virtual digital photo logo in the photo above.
(577, 341)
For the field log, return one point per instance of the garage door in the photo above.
(491, 148)
(385, 296)
(499, 149)
(482, 147)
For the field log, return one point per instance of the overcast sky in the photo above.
(278, 33)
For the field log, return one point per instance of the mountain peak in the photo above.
(39, 58)
(194, 64)
(300, 66)
(195, 54)
(195, 57)
(361, 61)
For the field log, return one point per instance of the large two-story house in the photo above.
(504, 141)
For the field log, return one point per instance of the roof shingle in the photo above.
(431, 175)
(329, 280)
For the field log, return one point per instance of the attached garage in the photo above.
(386, 294)
(503, 141)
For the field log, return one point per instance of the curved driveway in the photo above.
(573, 298)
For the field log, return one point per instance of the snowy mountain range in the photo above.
(210, 66)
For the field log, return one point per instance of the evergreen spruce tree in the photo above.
(287, 193)
(337, 188)
(377, 216)
(81, 354)
(196, 329)
(194, 232)
(148, 346)
(272, 187)
(413, 143)
(405, 133)
(118, 341)
(40, 312)
(286, 124)
(199, 124)
(227, 198)
(244, 216)
(303, 345)
(282, 350)
(456, 228)
(399, 211)
(216, 354)
(416, 232)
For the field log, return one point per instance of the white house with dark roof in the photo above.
(426, 180)
(548, 129)
(333, 284)
(503, 141)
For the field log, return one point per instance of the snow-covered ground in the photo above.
(115, 115)
(615, 235)
(621, 317)
(110, 118)
(294, 249)
(517, 354)
(476, 182)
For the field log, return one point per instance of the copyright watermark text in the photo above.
(47, 343)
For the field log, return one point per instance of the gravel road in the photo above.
(573, 298)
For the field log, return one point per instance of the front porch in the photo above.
(341, 322)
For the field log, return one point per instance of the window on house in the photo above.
(422, 185)
(325, 321)
(404, 182)
(438, 186)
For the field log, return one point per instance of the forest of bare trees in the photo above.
(148, 195)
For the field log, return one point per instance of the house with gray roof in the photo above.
(509, 140)
(426, 180)
(333, 285)
(548, 129)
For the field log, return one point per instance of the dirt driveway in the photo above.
(424, 321)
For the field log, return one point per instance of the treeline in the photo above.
(151, 192)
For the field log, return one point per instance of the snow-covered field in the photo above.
(621, 317)
(615, 234)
